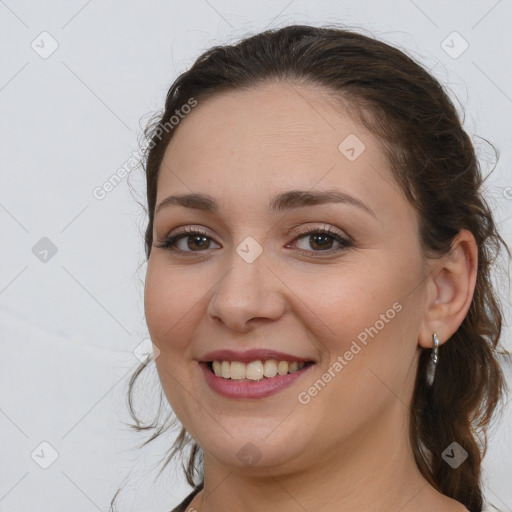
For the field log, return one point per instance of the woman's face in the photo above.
(351, 301)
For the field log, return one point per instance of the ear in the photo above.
(450, 290)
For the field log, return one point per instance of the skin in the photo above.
(347, 449)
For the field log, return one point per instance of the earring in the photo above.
(432, 364)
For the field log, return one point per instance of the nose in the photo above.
(247, 295)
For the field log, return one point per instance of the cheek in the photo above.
(172, 303)
(360, 316)
(172, 298)
(349, 300)
(368, 346)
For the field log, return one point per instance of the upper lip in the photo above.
(247, 356)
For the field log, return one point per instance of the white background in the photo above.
(67, 123)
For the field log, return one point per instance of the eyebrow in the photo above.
(284, 201)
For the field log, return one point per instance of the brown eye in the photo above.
(322, 240)
(187, 241)
(195, 242)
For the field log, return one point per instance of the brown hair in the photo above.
(434, 162)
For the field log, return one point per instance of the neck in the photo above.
(373, 471)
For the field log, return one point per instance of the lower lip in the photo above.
(250, 389)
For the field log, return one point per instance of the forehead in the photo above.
(274, 136)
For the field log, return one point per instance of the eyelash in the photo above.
(170, 241)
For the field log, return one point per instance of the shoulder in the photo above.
(438, 501)
(486, 508)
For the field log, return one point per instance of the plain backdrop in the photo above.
(78, 81)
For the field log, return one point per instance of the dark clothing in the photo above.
(182, 507)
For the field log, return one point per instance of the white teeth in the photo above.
(255, 370)
(270, 368)
(282, 367)
(237, 370)
(225, 369)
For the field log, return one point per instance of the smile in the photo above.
(254, 370)
(256, 379)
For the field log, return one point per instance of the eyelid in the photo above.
(190, 228)
(345, 241)
(198, 229)
(323, 227)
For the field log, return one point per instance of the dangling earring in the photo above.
(432, 364)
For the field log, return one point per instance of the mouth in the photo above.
(255, 371)
(256, 379)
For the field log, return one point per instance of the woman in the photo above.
(318, 286)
